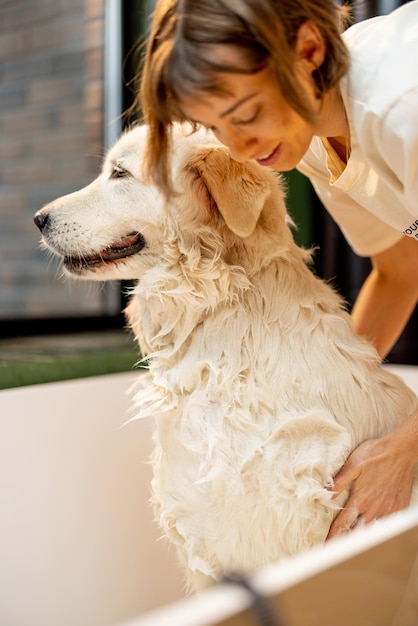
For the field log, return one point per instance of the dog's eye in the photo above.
(119, 172)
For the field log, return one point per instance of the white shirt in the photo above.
(374, 198)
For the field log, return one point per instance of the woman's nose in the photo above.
(242, 147)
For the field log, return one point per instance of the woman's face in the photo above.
(253, 119)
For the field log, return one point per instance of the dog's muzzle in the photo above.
(124, 247)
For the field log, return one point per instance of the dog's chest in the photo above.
(202, 447)
(210, 457)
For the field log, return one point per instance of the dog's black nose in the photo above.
(41, 220)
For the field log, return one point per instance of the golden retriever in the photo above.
(257, 383)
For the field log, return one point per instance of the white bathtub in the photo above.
(78, 546)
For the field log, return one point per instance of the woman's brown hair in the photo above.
(178, 61)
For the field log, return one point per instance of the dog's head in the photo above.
(118, 225)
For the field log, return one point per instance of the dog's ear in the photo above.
(237, 189)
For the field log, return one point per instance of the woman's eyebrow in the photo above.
(236, 105)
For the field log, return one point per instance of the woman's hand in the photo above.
(380, 472)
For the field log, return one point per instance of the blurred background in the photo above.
(67, 73)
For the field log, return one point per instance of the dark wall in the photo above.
(335, 260)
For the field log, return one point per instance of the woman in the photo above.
(277, 82)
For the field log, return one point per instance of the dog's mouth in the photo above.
(120, 249)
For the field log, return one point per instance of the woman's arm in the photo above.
(380, 471)
(388, 296)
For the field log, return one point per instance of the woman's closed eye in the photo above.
(246, 120)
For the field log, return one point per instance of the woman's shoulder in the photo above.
(383, 31)
(384, 54)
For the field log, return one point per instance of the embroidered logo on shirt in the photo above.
(412, 231)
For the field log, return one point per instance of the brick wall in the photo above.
(51, 142)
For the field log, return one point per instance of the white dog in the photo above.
(257, 383)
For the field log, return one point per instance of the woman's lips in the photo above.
(270, 157)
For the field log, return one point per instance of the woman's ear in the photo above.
(310, 45)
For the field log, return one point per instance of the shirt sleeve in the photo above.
(366, 234)
(396, 135)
